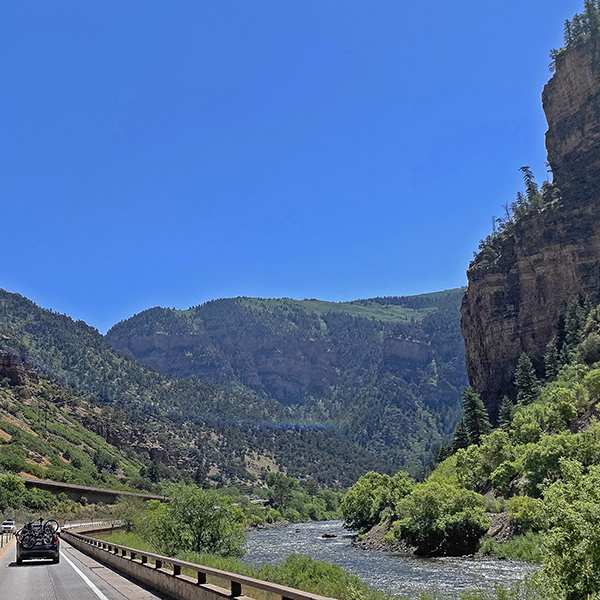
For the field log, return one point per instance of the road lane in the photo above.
(76, 577)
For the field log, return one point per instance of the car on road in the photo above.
(38, 540)
(8, 526)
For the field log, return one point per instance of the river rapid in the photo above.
(398, 575)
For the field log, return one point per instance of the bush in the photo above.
(440, 519)
(572, 547)
(37, 500)
(526, 513)
(195, 520)
(373, 498)
(291, 515)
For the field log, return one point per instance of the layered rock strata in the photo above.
(515, 305)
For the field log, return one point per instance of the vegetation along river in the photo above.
(399, 575)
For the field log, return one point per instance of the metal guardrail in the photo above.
(192, 586)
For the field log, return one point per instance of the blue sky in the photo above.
(168, 153)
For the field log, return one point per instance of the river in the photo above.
(398, 575)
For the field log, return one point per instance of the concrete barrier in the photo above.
(164, 574)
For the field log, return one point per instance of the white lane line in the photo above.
(84, 577)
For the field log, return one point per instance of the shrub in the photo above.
(441, 519)
(526, 513)
(572, 547)
(372, 498)
(194, 520)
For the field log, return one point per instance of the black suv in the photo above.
(38, 540)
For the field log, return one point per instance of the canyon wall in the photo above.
(514, 305)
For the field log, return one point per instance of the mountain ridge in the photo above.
(209, 433)
(396, 360)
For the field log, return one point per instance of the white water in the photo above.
(399, 575)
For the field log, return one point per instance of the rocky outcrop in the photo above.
(515, 305)
(571, 102)
(15, 369)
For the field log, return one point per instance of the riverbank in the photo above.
(501, 532)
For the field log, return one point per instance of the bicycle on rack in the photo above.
(38, 539)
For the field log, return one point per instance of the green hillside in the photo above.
(42, 433)
(178, 428)
(539, 471)
(385, 373)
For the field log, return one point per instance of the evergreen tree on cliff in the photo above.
(552, 362)
(476, 417)
(577, 311)
(507, 409)
(461, 437)
(526, 381)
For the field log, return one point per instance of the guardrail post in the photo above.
(158, 564)
(132, 555)
(176, 570)
(144, 559)
(236, 589)
(201, 577)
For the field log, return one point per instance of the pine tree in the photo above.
(564, 356)
(506, 413)
(577, 312)
(526, 380)
(476, 418)
(531, 189)
(461, 436)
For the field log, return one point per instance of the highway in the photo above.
(76, 577)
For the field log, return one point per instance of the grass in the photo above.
(126, 538)
(522, 547)
(370, 310)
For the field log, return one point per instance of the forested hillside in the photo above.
(386, 373)
(43, 433)
(184, 428)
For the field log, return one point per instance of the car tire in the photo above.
(19, 561)
(56, 560)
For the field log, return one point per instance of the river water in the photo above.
(398, 575)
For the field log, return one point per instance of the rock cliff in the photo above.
(514, 305)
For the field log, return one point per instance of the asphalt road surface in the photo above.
(76, 577)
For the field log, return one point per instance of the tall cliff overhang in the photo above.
(571, 101)
(515, 305)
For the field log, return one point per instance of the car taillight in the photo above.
(54, 539)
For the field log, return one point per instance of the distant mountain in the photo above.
(176, 427)
(385, 373)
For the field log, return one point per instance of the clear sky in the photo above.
(168, 153)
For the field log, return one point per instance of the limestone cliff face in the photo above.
(283, 367)
(283, 349)
(514, 305)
